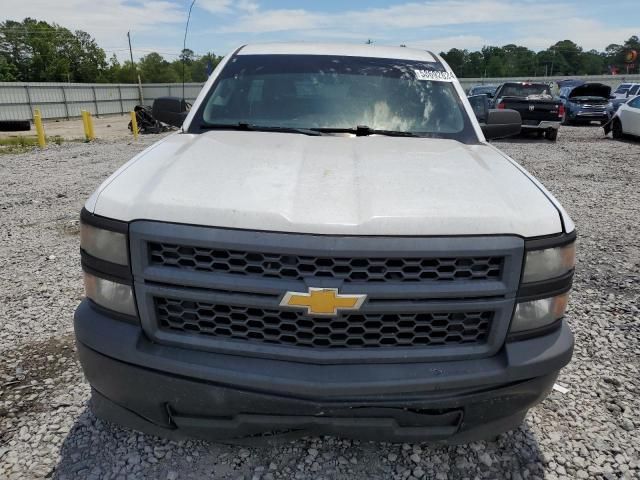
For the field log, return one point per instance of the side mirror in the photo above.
(501, 123)
(611, 97)
(170, 110)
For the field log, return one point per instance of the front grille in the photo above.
(349, 269)
(285, 327)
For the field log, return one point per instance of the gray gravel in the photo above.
(46, 430)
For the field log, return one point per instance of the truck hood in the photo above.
(371, 185)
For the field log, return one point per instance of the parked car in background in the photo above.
(540, 111)
(614, 104)
(626, 90)
(488, 90)
(626, 121)
(585, 102)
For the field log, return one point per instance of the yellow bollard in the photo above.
(134, 125)
(37, 120)
(85, 125)
(92, 133)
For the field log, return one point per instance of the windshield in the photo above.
(622, 88)
(336, 92)
(525, 90)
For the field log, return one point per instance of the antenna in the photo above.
(184, 46)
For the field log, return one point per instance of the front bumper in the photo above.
(176, 393)
(590, 115)
(544, 125)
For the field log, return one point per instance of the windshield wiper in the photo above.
(244, 126)
(364, 130)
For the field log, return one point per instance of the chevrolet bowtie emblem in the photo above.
(322, 301)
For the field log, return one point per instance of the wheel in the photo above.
(15, 125)
(616, 129)
(565, 119)
(551, 134)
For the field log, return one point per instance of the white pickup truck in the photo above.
(328, 245)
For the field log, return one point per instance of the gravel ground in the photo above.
(105, 126)
(46, 430)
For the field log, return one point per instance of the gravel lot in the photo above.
(46, 430)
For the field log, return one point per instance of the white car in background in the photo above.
(626, 121)
(626, 90)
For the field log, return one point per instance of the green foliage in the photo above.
(36, 51)
(155, 69)
(8, 71)
(562, 58)
(39, 52)
(21, 143)
(32, 51)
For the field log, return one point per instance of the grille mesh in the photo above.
(297, 267)
(286, 327)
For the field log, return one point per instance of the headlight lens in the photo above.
(104, 244)
(539, 313)
(549, 263)
(111, 295)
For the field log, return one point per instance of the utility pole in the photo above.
(133, 69)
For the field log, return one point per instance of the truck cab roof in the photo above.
(338, 49)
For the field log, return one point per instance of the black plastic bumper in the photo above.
(174, 392)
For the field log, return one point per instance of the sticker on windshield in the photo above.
(435, 75)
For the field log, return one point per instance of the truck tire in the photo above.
(616, 129)
(15, 125)
(551, 134)
(565, 119)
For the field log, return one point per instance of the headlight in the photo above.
(549, 263)
(538, 313)
(111, 295)
(104, 244)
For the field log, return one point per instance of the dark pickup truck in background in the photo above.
(540, 111)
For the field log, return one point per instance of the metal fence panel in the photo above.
(66, 100)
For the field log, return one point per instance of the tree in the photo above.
(475, 65)
(44, 52)
(33, 50)
(86, 59)
(8, 71)
(203, 66)
(155, 69)
(457, 60)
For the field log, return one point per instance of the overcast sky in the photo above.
(220, 25)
